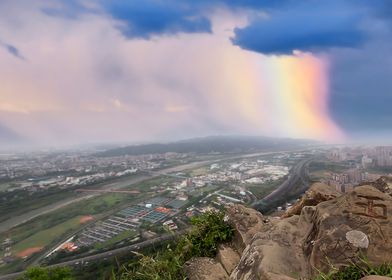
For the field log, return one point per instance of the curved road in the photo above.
(297, 175)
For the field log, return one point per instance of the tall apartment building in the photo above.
(383, 156)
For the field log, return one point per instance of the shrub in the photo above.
(40, 273)
(208, 231)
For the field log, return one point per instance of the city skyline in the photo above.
(94, 71)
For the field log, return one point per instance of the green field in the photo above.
(318, 175)
(261, 190)
(47, 236)
(4, 186)
(19, 202)
(96, 207)
(49, 229)
(198, 171)
(123, 235)
(336, 167)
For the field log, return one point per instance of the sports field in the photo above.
(41, 239)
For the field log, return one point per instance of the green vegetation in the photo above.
(45, 237)
(208, 231)
(357, 271)
(380, 169)
(20, 201)
(128, 234)
(146, 185)
(6, 185)
(198, 171)
(318, 175)
(57, 222)
(93, 206)
(39, 273)
(261, 190)
(336, 167)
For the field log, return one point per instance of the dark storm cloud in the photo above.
(361, 87)
(303, 24)
(151, 17)
(307, 28)
(12, 50)
(146, 18)
(143, 19)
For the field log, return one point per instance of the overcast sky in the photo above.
(81, 71)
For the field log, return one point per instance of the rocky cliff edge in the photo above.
(322, 230)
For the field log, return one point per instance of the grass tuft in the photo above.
(356, 271)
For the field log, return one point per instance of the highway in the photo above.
(107, 254)
(297, 175)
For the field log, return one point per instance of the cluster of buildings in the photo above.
(6, 248)
(44, 164)
(379, 156)
(346, 181)
(34, 171)
(172, 198)
(246, 171)
(360, 160)
(172, 202)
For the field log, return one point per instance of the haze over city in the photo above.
(75, 72)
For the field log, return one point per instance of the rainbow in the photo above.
(286, 95)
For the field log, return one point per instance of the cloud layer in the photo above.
(305, 28)
(99, 71)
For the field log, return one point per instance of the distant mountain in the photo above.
(212, 144)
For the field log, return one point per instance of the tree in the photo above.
(40, 273)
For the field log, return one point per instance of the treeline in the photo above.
(218, 144)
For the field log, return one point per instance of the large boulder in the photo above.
(228, 257)
(383, 184)
(317, 193)
(246, 223)
(344, 230)
(273, 251)
(205, 269)
(334, 233)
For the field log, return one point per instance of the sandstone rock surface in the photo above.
(363, 214)
(331, 229)
(246, 223)
(383, 184)
(228, 257)
(205, 269)
(317, 193)
(337, 231)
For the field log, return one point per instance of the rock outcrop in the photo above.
(323, 229)
(383, 184)
(205, 269)
(342, 230)
(316, 194)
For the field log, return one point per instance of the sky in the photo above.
(96, 71)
